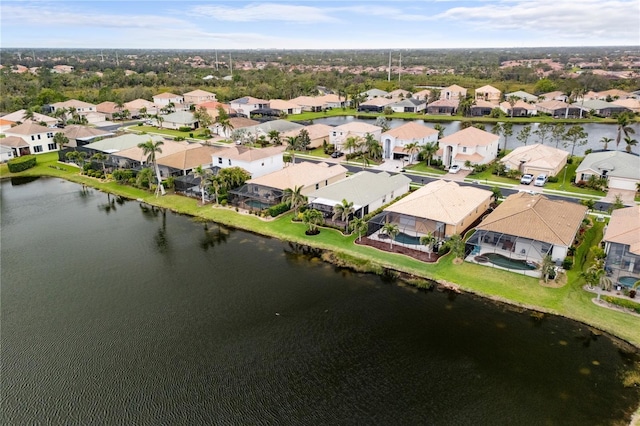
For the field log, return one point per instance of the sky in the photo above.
(296, 24)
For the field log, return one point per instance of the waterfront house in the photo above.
(408, 105)
(283, 107)
(520, 94)
(318, 134)
(559, 109)
(519, 109)
(470, 144)
(367, 191)
(526, 227)
(536, 159)
(309, 103)
(442, 208)
(38, 138)
(13, 146)
(82, 135)
(118, 143)
(443, 107)
(482, 107)
(267, 190)
(630, 103)
(183, 161)
(621, 169)
(244, 106)
(395, 140)
(6, 152)
(488, 93)
(602, 108)
(135, 158)
(622, 245)
(256, 161)
(353, 128)
(331, 100)
(375, 104)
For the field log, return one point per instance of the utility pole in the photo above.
(117, 61)
(389, 75)
(400, 66)
(216, 59)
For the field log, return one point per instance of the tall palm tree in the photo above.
(606, 141)
(29, 114)
(150, 149)
(428, 241)
(313, 218)
(630, 143)
(343, 210)
(429, 150)
(412, 148)
(360, 226)
(159, 120)
(295, 198)
(512, 100)
(292, 146)
(101, 158)
(223, 120)
(61, 139)
(201, 173)
(214, 184)
(440, 128)
(352, 143)
(390, 230)
(623, 121)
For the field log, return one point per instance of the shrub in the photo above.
(570, 160)
(20, 164)
(553, 179)
(122, 176)
(444, 249)
(184, 129)
(623, 303)
(567, 263)
(179, 138)
(223, 202)
(139, 124)
(581, 183)
(278, 209)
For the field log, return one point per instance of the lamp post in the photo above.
(564, 177)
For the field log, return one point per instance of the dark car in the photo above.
(337, 154)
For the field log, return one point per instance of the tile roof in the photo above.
(180, 117)
(378, 102)
(119, 143)
(302, 174)
(536, 155)
(168, 148)
(624, 228)
(617, 163)
(83, 132)
(30, 128)
(410, 131)
(282, 104)
(13, 142)
(198, 92)
(441, 201)
(19, 116)
(487, 89)
(471, 136)
(308, 101)
(243, 153)
(536, 217)
(358, 127)
(315, 131)
(189, 158)
(139, 103)
(73, 103)
(166, 95)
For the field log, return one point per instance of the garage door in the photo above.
(618, 183)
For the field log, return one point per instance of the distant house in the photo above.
(245, 105)
(528, 227)
(553, 96)
(536, 159)
(422, 95)
(212, 108)
(621, 169)
(559, 109)
(83, 135)
(6, 152)
(137, 106)
(6, 124)
(38, 138)
(395, 140)
(331, 101)
(366, 190)
(602, 108)
(198, 96)
(13, 146)
(256, 161)
(182, 162)
(453, 92)
(267, 190)
(470, 144)
(164, 99)
(519, 109)
(613, 94)
(488, 93)
(481, 108)
(285, 107)
(622, 245)
(309, 103)
(375, 105)
(354, 128)
(630, 103)
(399, 94)
(374, 93)
(520, 94)
(236, 123)
(108, 108)
(442, 107)
(179, 119)
(18, 117)
(318, 134)
(443, 208)
(408, 105)
(80, 107)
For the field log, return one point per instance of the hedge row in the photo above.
(21, 163)
(278, 209)
(623, 303)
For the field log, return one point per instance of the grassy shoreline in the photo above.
(570, 301)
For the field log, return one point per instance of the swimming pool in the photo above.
(255, 204)
(407, 239)
(505, 262)
(628, 281)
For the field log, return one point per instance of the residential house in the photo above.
(318, 134)
(138, 107)
(108, 108)
(367, 191)
(283, 107)
(408, 105)
(631, 104)
(309, 103)
(244, 106)
(527, 228)
(83, 135)
(179, 119)
(520, 94)
(613, 94)
(553, 96)
(519, 109)
(6, 152)
(621, 169)
(374, 93)
(602, 108)
(536, 159)
(198, 96)
(13, 146)
(18, 117)
(559, 109)
(183, 162)
(471, 144)
(267, 190)
(166, 98)
(134, 157)
(622, 245)
(5, 125)
(399, 94)
(422, 95)
(375, 104)
(39, 138)
(256, 161)
(119, 143)
(352, 129)
(442, 208)
(454, 93)
(394, 141)
(263, 129)
(80, 107)
(235, 123)
(442, 107)
(481, 108)
(331, 101)
(488, 93)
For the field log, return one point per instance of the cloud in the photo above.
(613, 19)
(265, 12)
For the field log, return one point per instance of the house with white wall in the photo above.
(453, 92)
(198, 96)
(488, 93)
(256, 161)
(39, 138)
(164, 99)
(245, 105)
(354, 128)
(395, 140)
(470, 144)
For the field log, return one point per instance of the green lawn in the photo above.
(570, 300)
(422, 167)
(197, 134)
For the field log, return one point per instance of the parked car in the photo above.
(454, 169)
(337, 154)
(540, 180)
(526, 179)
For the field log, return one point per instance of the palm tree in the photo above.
(440, 128)
(546, 268)
(360, 226)
(159, 120)
(214, 184)
(343, 211)
(512, 100)
(352, 143)
(606, 141)
(223, 120)
(143, 112)
(61, 139)
(150, 149)
(61, 114)
(77, 157)
(274, 137)
(428, 241)
(171, 107)
(29, 114)
(295, 198)
(496, 193)
(412, 148)
(101, 158)
(313, 218)
(201, 173)
(456, 243)
(630, 143)
(292, 145)
(390, 230)
(429, 150)
(623, 120)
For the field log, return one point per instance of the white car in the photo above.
(454, 169)
(540, 180)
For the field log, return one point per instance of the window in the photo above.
(49, 135)
(52, 147)
(229, 161)
(37, 148)
(219, 160)
(464, 149)
(38, 137)
(33, 138)
(317, 185)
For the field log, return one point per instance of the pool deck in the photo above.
(528, 272)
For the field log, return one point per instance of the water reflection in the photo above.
(213, 237)
(111, 204)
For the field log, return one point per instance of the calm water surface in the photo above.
(115, 314)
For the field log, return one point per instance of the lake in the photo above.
(117, 313)
(595, 131)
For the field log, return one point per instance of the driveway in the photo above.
(626, 195)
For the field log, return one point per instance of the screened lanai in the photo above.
(254, 197)
(521, 250)
(410, 229)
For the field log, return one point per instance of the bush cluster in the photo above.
(184, 129)
(623, 303)
(23, 163)
(122, 176)
(278, 209)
